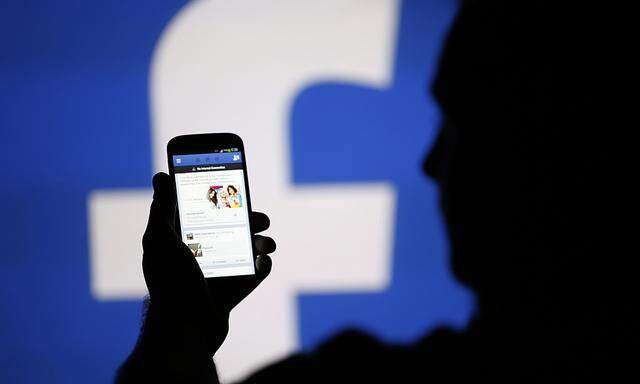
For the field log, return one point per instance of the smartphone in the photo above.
(212, 191)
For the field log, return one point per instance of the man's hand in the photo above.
(187, 316)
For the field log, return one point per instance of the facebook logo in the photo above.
(332, 101)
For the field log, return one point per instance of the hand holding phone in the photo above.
(187, 315)
(214, 217)
(174, 278)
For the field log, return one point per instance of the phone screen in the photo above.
(214, 212)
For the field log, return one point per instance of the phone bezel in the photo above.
(206, 143)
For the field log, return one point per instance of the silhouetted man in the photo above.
(522, 227)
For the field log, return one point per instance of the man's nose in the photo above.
(432, 164)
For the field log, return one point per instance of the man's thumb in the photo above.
(163, 207)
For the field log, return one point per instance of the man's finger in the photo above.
(259, 222)
(264, 244)
(263, 267)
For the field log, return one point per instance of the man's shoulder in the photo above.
(356, 355)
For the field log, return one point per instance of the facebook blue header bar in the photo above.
(207, 159)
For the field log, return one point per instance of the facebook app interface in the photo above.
(214, 217)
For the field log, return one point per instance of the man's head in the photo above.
(491, 158)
